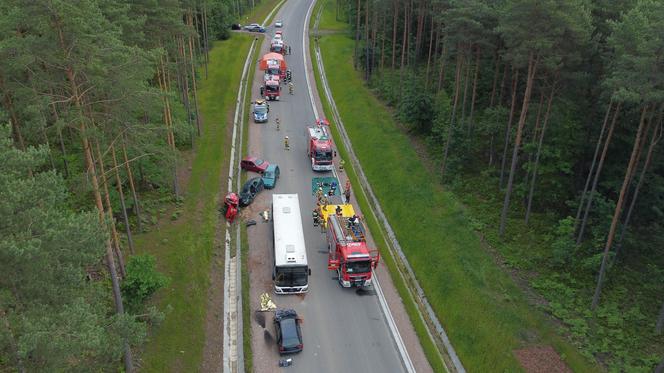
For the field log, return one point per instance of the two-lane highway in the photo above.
(343, 330)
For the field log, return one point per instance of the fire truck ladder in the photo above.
(353, 230)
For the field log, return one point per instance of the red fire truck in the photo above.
(271, 89)
(274, 64)
(319, 149)
(278, 46)
(348, 253)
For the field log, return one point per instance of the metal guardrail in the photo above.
(424, 308)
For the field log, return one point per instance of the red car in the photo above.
(254, 164)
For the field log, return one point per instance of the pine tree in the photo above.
(54, 319)
(562, 26)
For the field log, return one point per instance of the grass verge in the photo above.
(485, 313)
(184, 248)
(428, 345)
(258, 14)
(246, 305)
(244, 241)
(332, 18)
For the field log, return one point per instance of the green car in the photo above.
(270, 176)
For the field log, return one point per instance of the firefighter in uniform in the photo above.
(319, 193)
(341, 165)
(316, 217)
(291, 87)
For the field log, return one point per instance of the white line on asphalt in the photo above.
(305, 53)
(405, 357)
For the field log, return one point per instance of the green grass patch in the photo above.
(332, 19)
(258, 14)
(244, 242)
(184, 248)
(486, 315)
(246, 305)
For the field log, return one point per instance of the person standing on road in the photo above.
(347, 194)
(319, 194)
(291, 87)
(316, 217)
(341, 165)
(289, 50)
(286, 143)
(277, 123)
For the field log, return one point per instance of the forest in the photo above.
(98, 103)
(545, 118)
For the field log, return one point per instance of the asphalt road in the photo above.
(343, 331)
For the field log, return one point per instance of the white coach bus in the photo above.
(291, 270)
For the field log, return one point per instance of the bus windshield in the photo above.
(291, 276)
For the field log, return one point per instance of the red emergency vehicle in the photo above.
(348, 253)
(271, 89)
(319, 149)
(274, 64)
(278, 46)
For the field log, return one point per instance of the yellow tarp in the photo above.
(346, 211)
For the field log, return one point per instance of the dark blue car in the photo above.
(289, 334)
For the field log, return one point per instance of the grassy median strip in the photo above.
(484, 312)
(184, 247)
